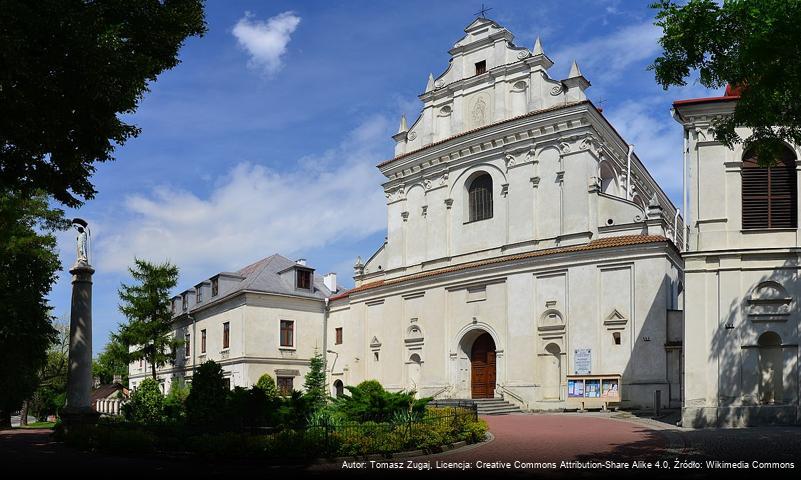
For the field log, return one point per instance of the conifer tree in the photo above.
(146, 305)
(315, 382)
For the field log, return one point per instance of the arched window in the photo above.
(480, 197)
(769, 193)
(339, 388)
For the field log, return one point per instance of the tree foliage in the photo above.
(112, 361)
(205, 405)
(267, 385)
(28, 266)
(51, 392)
(146, 406)
(314, 383)
(70, 70)
(751, 44)
(146, 304)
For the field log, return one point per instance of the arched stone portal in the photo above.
(482, 367)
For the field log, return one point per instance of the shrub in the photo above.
(326, 416)
(293, 410)
(249, 407)
(146, 406)
(369, 401)
(205, 405)
(267, 385)
(175, 401)
(474, 431)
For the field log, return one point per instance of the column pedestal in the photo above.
(78, 409)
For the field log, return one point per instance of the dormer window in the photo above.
(199, 294)
(215, 286)
(184, 302)
(303, 279)
(481, 67)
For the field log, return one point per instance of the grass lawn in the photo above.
(39, 425)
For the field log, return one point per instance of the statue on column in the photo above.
(78, 409)
(82, 240)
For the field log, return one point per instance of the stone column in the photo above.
(78, 409)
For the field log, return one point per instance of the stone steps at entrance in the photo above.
(485, 406)
(495, 406)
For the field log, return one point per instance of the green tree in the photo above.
(112, 361)
(70, 70)
(315, 382)
(267, 385)
(51, 393)
(146, 304)
(751, 44)
(175, 401)
(28, 266)
(146, 405)
(205, 405)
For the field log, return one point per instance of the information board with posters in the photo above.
(593, 391)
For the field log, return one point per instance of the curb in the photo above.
(446, 450)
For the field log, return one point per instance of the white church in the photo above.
(531, 258)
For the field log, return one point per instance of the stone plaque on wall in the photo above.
(582, 361)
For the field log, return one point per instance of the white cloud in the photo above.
(609, 57)
(255, 211)
(266, 41)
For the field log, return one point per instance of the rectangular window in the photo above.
(187, 346)
(215, 285)
(198, 294)
(184, 302)
(338, 336)
(226, 335)
(227, 383)
(203, 341)
(303, 279)
(481, 67)
(285, 386)
(287, 333)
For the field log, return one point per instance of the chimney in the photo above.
(301, 261)
(330, 281)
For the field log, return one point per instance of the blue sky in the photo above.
(265, 138)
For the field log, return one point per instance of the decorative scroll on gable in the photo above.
(769, 302)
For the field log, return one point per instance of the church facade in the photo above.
(527, 244)
(531, 256)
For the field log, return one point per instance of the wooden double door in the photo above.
(482, 367)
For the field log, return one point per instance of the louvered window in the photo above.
(769, 193)
(480, 198)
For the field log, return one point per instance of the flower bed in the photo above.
(435, 429)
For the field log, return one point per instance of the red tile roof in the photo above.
(731, 93)
(693, 101)
(601, 243)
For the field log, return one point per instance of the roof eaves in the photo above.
(609, 242)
